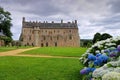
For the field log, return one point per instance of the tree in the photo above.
(5, 22)
(105, 36)
(5, 25)
(97, 37)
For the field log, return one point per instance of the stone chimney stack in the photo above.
(23, 19)
(52, 21)
(75, 21)
(61, 21)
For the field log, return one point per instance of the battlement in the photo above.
(52, 24)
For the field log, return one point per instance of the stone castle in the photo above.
(50, 34)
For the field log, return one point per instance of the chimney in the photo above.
(61, 21)
(75, 21)
(23, 19)
(52, 21)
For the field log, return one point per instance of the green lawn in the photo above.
(27, 68)
(57, 51)
(3, 49)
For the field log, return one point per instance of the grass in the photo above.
(3, 49)
(58, 51)
(27, 68)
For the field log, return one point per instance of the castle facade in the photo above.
(44, 34)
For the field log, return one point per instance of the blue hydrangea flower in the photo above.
(103, 58)
(91, 57)
(92, 69)
(97, 63)
(99, 54)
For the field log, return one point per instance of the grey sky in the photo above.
(93, 15)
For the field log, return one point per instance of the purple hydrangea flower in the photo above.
(83, 71)
(107, 51)
(114, 53)
(118, 48)
(87, 70)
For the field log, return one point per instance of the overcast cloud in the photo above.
(93, 15)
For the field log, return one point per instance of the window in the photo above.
(70, 37)
(57, 37)
(55, 44)
(29, 37)
(44, 38)
(47, 44)
(32, 32)
(51, 38)
(32, 44)
(42, 44)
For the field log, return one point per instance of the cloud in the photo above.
(92, 15)
(115, 6)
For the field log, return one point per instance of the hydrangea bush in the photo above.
(102, 60)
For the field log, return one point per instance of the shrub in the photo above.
(103, 57)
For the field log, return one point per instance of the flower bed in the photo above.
(102, 60)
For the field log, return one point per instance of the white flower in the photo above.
(97, 51)
(102, 51)
(117, 69)
(111, 76)
(99, 72)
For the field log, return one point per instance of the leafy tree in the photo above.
(5, 25)
(105, 36)
(5, 22)
(97, 37)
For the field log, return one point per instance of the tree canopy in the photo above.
(99, 37)
(5, 22)
(105, 36)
